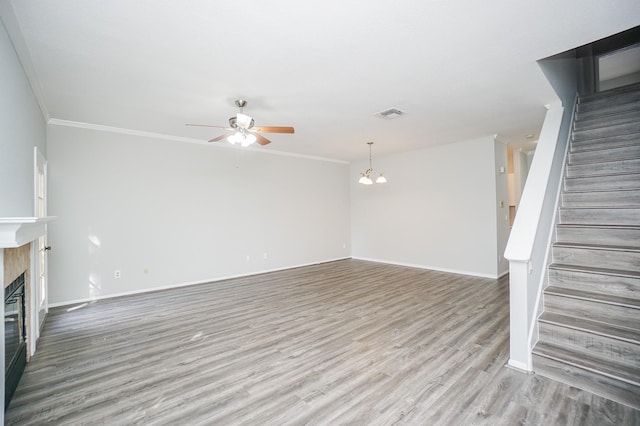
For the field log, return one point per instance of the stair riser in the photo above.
(622, 286)
(602, 155)
(622, 316)
(611, 111)
(601, 347)
(607, 387)
(596, 235)
(605, 168)
(601, 199)
(600, 216)
(610, 259)
(610, 142)
(605, 132)
(603, 183)
(604, 120)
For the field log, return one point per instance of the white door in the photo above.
(39, 253)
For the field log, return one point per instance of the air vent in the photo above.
(391, 113)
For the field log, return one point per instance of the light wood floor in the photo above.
(348, 342)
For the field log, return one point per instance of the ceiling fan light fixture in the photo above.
(381, 179)
(248, 139)
(241, 130)
(243, 139)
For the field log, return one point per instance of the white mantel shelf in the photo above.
(17, 231)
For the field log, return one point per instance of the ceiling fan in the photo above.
(241, 129)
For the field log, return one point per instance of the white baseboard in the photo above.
(433, 268)
(519, 366)
(185, 284)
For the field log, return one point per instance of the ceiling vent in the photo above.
(391, 113)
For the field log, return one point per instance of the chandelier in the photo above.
(365, 178)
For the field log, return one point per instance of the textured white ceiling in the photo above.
(461, 69)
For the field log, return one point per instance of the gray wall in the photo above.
(439, 209)
(22, 127)
(166, 213)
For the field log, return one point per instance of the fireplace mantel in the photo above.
(16, 231)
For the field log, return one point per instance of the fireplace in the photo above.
(18, 240)
(15, 348)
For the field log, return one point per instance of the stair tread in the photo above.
(609, 111)
(586, 191)
(596, 246)
(606, 99)
(631, 138)
(595, 270)
(603, 120)
(613, 235)
(601, 176)
(577, 359)
(595, 145)
(607, 94)
(593, 296)
(592, 326)
(627, 128)
(600, 208)
(604, 226)
(603, 161)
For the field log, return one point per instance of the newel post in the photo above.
(520, 353)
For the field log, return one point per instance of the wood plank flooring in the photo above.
(347, 342)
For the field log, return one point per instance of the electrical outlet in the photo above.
(116, 273)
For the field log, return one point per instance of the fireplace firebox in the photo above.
(15, 348)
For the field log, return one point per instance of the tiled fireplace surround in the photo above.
(16, 261)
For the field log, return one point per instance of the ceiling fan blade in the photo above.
(206, 125)
(273, 129)
(260, 139)
(244, 121)
(223, 136)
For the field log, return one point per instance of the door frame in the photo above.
(39, 303)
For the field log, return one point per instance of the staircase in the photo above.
(590, 325)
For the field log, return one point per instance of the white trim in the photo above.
(33, 333)
(190, 283)
(2, 360)
(38, 299)
(154, 135)
(525, 226)
(17, 231)
(517, 365)
(432, 268)
(544, 277)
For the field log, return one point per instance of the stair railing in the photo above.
(528, 247)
